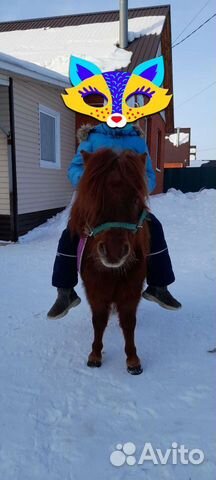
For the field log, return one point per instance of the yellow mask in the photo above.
(124, 97)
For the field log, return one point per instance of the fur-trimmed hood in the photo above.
(131, 130)
(93, 138)
(83, 132)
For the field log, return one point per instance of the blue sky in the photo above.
(193, 61)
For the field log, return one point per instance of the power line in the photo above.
(192, 20)
(194, 31)
(196, 94)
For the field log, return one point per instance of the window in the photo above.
(141, 100)
(49, 138)
(131, 101)
(136, 101)
(158, 151)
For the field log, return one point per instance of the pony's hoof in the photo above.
(135, 370)
(94, 363)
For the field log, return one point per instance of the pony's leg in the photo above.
(127, 317)
(99, 320)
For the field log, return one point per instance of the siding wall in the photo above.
(4, 173)
(40, 188)
(4, 80)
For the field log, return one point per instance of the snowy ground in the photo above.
(61, 420)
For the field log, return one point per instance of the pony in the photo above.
(111, 210)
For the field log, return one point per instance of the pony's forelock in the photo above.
(93, 189)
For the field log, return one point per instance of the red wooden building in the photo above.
(177, 148)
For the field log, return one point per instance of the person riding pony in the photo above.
(117, 90)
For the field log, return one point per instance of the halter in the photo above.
(127, 226)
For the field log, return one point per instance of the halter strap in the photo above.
(127, 226)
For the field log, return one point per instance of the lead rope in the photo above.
(156, 253)
(148, 255)
(59, 254)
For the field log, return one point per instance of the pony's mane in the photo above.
(93, 185)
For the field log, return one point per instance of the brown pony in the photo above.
(113, 189)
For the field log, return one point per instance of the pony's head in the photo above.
(111, 190)
(116, 97)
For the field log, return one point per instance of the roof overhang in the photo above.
(11, 65)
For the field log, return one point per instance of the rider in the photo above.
(160, 273)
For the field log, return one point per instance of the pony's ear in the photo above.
(86, 156)
(152, 70)
(81, 69)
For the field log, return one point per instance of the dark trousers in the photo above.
(159, 271)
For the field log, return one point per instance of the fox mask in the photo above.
(117, 89)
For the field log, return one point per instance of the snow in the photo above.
(173, 138)
(52, 47)
(60, 419)
(11, 63)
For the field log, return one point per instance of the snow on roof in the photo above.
(52, 47)
(28, 69)
(173, 138)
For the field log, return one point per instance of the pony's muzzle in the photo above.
(126, 249)
(113, 256)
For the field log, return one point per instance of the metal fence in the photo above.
(189, 179)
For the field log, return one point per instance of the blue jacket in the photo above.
(102, 136)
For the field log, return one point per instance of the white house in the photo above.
(36, 143)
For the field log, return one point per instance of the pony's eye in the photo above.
(95, 100)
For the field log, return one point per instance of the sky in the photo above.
(194, 62)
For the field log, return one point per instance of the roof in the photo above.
(80, 19)
(10, 64)
(143, 48)
(52, 47)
